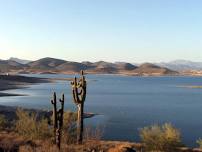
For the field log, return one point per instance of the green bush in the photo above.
(28, 126)
(199, 142)
(2, 122)
(165, 138)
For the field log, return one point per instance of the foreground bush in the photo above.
(93, 133)
(69, 127)
(28, 126)
(69, 130)
(2, 122)
(199, 142)
(163, 138)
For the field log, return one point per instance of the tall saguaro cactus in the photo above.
(79, 96)
(57, 118)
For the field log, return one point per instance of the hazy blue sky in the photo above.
(111, 30)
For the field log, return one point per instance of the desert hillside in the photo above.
(52, 65)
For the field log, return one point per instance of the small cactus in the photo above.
(57, 119)
(79, 96)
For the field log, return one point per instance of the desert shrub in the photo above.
(69, 127)
(2, 122)
(165, 138)
(93, 133)
(28, 126)
(199, 142)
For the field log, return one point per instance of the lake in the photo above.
(126, 104)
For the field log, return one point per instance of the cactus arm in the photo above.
(62, 110)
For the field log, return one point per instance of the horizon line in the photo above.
(101, 60)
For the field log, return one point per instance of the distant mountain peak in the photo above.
(181, 65)
(21, 61)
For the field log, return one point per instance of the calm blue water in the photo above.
(126, 104)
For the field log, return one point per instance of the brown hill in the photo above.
(45, 64)
(71, 67)
(52, 65)
(101, 67)
(151, 69)
(7, 66)
(107, 67)
(125, 66)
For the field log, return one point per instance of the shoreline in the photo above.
(9, 82)
(17, 82)
(2, 94)
(12, 82)
(180, 74)
(10, 112)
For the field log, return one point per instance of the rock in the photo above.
(122, 148)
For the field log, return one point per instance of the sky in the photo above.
(93, 30)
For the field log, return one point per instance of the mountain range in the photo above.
(52, 65)
(181, 65)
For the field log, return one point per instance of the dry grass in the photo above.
(3, 122)
(33, 135)
(89, 146)
(69, 128)
(13, 142)
(28, 126)
(93, 133)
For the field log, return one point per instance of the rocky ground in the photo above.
(13, 142)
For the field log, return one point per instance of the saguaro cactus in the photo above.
(57, 118)
(79, 96)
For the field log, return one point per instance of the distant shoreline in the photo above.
(122, 73)
(10, 112)
(9, 82)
